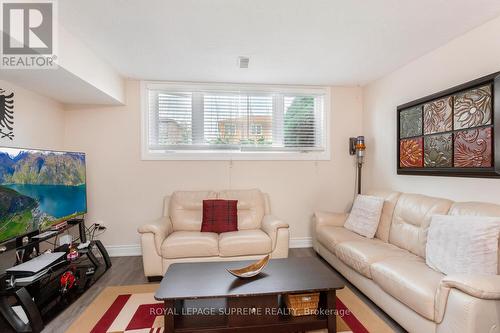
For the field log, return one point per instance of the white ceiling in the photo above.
(335, 42)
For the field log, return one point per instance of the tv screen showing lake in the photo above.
(38, 189)
(56, 200)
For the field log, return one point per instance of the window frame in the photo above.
(232, 154)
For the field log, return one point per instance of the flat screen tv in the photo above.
(39, 188)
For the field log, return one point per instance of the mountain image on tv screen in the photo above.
(38, 189)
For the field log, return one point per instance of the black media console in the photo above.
(45, 297)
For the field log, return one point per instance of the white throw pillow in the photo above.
(365, 215)
(463, 244)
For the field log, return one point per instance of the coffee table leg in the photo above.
(331, 300)
(169, 316)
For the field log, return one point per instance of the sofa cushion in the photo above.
(410, 281)
(219, 216)
(411, 220)
(475, 209)
(359, 255)
(330, 236)
(244, 242)
(186, 244)
(251, 207)
(186, 209)
(391, 198)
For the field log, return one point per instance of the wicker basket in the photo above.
(302, 304)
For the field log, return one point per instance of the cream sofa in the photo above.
(390, 269)
(176, 237)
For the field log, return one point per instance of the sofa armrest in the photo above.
(331, 219)
(480, 286)
(270, 225)
(160, 228)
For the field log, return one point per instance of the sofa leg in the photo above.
(154, 278)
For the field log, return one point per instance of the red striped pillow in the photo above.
(219, 216)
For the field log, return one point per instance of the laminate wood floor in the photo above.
(128, 271)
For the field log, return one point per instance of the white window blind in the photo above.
(171, 119)
(185, 118)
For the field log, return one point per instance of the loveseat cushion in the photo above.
(359, 255)
(186, 209)
(409, 280)
(244, 242)
(330, 236)
(251, 207)
(187, 244)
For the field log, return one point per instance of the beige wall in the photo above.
(125, 192)
(470, 56)
(38, 120)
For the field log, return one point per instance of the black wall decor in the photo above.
(6, 115)
(452, 132)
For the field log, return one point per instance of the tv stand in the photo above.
(40, 295)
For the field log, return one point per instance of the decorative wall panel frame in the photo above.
(475, 119)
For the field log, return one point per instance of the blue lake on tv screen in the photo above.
(56, 200)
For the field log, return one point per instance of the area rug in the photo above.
(133, 309)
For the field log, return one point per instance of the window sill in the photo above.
(234, 156)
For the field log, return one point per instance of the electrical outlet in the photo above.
(100, 224)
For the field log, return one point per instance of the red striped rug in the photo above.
(136, 311)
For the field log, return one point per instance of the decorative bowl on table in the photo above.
(250, 270)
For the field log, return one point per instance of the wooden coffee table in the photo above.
(204, 297)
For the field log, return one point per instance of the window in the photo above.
(213, 121)
(256, 129)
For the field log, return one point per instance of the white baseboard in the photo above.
(299, 242)
(135, 249)
(124, 250)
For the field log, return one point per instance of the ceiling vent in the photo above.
(243, 62)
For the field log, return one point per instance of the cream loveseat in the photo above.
(390, 269)
(176, 237)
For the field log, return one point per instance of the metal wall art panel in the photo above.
(437, 116)
(473, 108)
(473, 148)
(411, 122)
(438, 151)
(411, 153)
